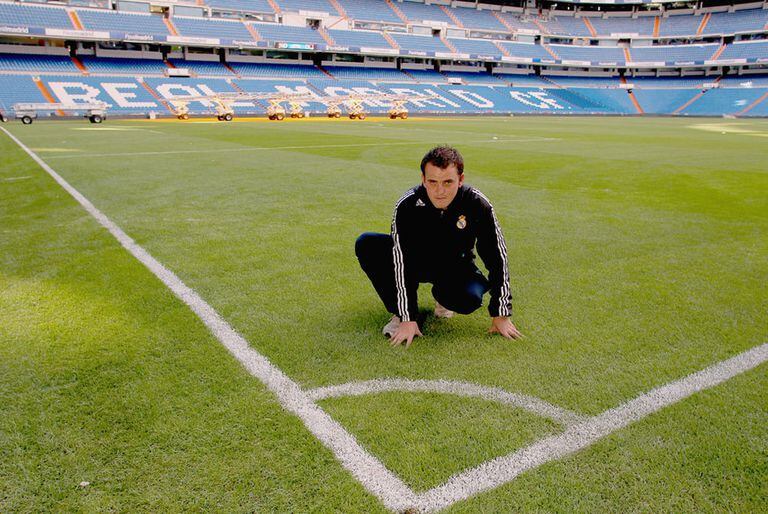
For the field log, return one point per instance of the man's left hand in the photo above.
(502, 326)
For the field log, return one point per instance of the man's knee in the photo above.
(469, 303)
(370, 244)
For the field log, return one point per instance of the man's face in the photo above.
(442, 184)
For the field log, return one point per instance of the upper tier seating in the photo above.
(369, 10)
(673, 53)
(275, 70)
(589, 53)
(37, 63)
(360, 73)
(478, 19)
(281, 33)
(679, 25)
(34, 16)
(518, 23)
(420, 43)
(306, 5)
(418, 12)
(581, 82)
(122, 22)
(430, 76)
(359, 38)
(739, 21)
(479, 77)
(608, 26)
(475, 46)
(567, 25)
(202, 27)
(526, 50)
(745, 50)
(261, 6)
(111, 66)
(209, 68)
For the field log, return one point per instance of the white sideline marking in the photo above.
(268, 148)
(366, 468)
(504, 469)
(467, 389)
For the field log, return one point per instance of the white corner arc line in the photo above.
(368, 470)
(501, 470)
(371, 473)
(465, 389)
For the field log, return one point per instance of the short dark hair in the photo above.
(442, 157)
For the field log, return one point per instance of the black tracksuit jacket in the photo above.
(430, 242)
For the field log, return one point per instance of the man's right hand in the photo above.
(405, 333)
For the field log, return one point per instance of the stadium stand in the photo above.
(267, 70)
(615, 25)
(123, 66)
(679, 25)
(14, 14)
(18, 88)
(39, 63)
(274, 32)
(478, 19)
(419, 13)
(526, 50)
(203, 68)
(137, 85)
(718, 101)
(122, 22)
(746, 50)
(258, 6)
(568, 25)
(370, 10)
(199, 27)
(420, 43)
(359, 38)
(673, 53)
(594, 54)
(306, 5)
(475, 46)
(751, 20)
(358, 73)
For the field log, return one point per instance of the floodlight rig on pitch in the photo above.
(96, 112)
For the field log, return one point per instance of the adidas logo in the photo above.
(419, 203)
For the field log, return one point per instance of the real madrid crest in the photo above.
(461, 222)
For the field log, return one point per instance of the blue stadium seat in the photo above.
(34, 16)
(478, 19)
(37, 63)
(306, 5)
(218, 29)
(359, 38)
(276, 70)
(673, 53)
(357, 73)
(258, 6)
(281, 33)
(369, 10)
(420, 43)
(122, 66)
(122, 22)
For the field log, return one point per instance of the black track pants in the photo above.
(459, 289)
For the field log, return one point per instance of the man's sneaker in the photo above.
(391, 327)
(442, 312)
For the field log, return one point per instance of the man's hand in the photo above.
(501, 325)
(405, 333)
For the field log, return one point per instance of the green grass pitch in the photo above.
(638, 254)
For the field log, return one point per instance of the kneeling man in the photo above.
(435, 228)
